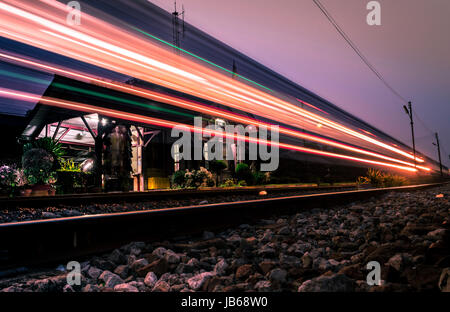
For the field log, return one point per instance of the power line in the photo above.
(357, 51)
(422, 123)
(365, 60)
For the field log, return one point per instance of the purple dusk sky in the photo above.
(411, 49)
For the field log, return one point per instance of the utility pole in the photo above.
(439, 151)
(409, 112)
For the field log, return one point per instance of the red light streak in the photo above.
(170, 124)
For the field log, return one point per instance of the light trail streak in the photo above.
(183, 104)
(266, 104)
(170, 124)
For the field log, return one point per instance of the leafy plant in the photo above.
(49, 145)
(260, 178)
(390, 180)
(8, 178)
(244, 173)
(228, 183)
(38, 166)
(69, 165)
(377, 178)
(179, 178)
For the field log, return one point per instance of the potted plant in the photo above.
(243, 173)
(38, 167)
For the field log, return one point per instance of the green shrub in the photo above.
(38, 166)
(243, 173)
(260, 178)
(390, 180)
(179, 179)
(377, 178)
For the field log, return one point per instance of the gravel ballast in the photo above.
(407, 233)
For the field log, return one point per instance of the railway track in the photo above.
(63, 239)
(130, 197)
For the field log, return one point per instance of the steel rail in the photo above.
(119, 197)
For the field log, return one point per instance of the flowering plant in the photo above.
(21, 178)
(192, 178)
(199, 178)
(7, 177)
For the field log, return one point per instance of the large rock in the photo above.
(244, 271)
(197, 281)
(125, 288)
(150, 279)
(328, 283)
(266, 266)
(172, 257)
(139, 264)
(110, 279)
(278, 275)
(161, 286)
(221, 267)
